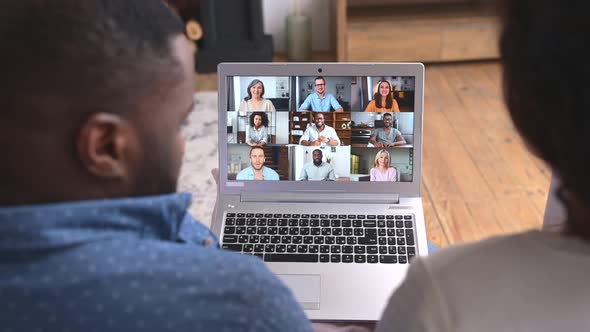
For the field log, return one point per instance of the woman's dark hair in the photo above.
(544, 43)
(253, 83)
(388, 99)
(262, 115)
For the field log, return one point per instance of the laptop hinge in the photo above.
(321, 197)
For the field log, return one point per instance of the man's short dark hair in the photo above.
(254, 148)
(320, 78)
(318, 150)
(65, 59)
(387, 114)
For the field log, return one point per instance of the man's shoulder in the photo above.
(245, 171)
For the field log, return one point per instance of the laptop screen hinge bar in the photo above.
(320, 197)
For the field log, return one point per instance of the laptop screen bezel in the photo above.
(233, 187)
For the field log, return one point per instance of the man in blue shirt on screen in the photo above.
(320, 101)
(257, 170)
(93, 236)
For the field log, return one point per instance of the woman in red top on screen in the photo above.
(383, 100)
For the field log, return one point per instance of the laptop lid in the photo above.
(350, 92)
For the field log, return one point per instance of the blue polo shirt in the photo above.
(141, 264)
(315, 103)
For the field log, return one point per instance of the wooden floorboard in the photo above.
(479, 179)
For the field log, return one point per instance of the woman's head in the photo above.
(547, 96)
(258, 119)
(383, 90)
(255, 89)
(382, 159)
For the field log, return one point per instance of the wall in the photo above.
(275, 22)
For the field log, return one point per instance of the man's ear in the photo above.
(103, 144)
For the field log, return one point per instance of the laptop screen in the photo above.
(320, 128)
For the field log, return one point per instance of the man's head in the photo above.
(387, 120)
(319, 120)
(94, 94)
(320, 85)
(257, 157)
(317, 157)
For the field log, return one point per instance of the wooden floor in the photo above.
(478, 178)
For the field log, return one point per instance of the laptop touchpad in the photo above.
(306, 289)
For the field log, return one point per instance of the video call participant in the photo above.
(93, 236)
(317, 170)
(255, 102)
(319, 134)
(383, 100)
(382, 170)
(386, 136)
(320, 101)
(257, 170)
(257, 131)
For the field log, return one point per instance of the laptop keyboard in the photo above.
(321, 238)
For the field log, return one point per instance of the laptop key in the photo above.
(367, 240)
(335, 249)
(325, 249)
(340, 240)
(302, 249)
(232, 247)
(230, 221)
(302, 258)
(308, 239)
(324, 258)
(330, 240)
(229, 230)
(370, 223)
(402, 260)
(243, 239)
(335, 258)
(409, 237)
(387, 259)
(230, 214)
(347, 259)
(241, 221)
(269, 248)
(401, 250)
(360, 259)
(248, 247)
(230, 239)
(383, 250)
(372, 250)
(291, 248)
(347, 249)
(281, 248)
(265, 239)
(275, 239)
(372, 259)
(259, 248)
(359, 249)
(314, 249)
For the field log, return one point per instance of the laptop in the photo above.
(338, 217)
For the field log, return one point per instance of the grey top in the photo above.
(382, 136)
(257, 136)
(324, 172)
(535, 281)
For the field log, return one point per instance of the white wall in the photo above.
(275, 22)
